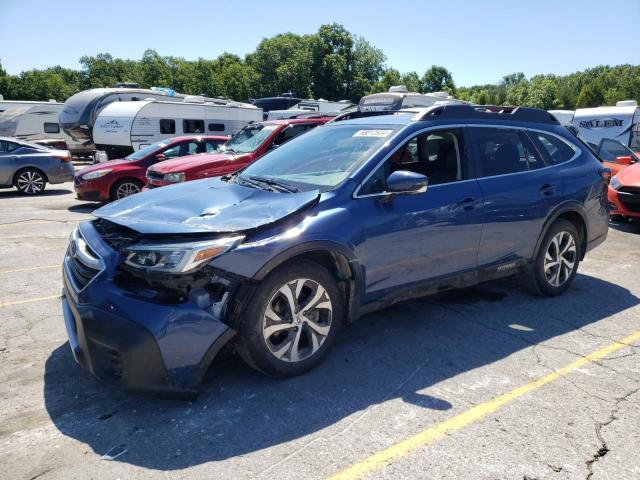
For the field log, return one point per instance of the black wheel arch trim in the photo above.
(567, 207)
(327, 246)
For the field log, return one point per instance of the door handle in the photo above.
(468, 203)
(547, 190)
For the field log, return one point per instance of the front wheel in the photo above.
(125, 188)
(30, 181)
(557, 261)
(292, 320)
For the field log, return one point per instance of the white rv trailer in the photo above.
(30, 120)
(621, 123)
(81, 110)
(399, 97)
(310, 106)
(565, 117)
(124, 127)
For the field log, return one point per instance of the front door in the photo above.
(414, 238)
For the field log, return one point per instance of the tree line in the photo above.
(332, 64)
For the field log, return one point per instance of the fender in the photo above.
(569, 206)
(330, 246)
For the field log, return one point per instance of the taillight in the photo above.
(606, 174)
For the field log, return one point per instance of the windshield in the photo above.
(323, 157)
(248, 139)
(148, 150)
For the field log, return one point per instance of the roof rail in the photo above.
(489, 112)
(359, 114)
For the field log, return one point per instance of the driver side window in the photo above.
(438, 155)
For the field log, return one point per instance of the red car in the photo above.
(248, 145)
(624, 192)
(116, 179)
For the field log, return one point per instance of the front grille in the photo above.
(153, 175)
(630, 198)
(81, 273)
(76, 180)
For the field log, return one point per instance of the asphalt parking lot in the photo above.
(486, 383)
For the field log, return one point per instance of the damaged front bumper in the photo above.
(128, 338)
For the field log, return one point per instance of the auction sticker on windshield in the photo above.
(372, 133)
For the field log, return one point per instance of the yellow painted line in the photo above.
(28, 300)
(29, 269)
(395, 452)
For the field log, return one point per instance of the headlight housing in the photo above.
(615, 183)
(178, 257)
(174, 177)
(96, 174)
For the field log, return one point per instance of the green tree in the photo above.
(591, 95)
(332, 49)
(367, 68)
(411, 80)
(438, 79)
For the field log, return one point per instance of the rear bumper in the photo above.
(64, 173)
(625, 204)
(135, 343)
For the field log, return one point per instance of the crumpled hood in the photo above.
(184, 164)
(630, 176)
(208, 205)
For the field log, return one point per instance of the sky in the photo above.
(478, 41)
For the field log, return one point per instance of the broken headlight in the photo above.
(178, 257)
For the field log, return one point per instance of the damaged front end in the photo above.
(147, 312)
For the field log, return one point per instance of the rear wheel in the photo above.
(30, 181)
(292, 320)
(125, 188)
(557, 261)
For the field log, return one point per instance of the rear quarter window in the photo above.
(553, 148)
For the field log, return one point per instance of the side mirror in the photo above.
(624, 160)
(160, 157)
(404, 181)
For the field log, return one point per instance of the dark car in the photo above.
(29, 167)
(115, 179)
(348, 218)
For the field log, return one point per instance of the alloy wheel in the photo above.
(297, 320)
(560, 259)
(126, 189)
(30, 182)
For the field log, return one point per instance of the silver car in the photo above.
(29, 167)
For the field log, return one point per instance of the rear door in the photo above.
(9, 161)
(518, 193)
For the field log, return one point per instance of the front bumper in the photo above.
(130, 341)
(91, 190)
(625, 202)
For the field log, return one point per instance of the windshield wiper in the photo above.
(281, 186)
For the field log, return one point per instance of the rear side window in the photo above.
(193, 126)
(167, 126)
(50, 127)
(216, 127)
(7, 146)
(553, 148)
(504, 150)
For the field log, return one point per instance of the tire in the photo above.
(30, 181)
(557, 261)
(279, 343)
(125, 188)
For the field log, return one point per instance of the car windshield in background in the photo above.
(248, 139)
(321, 158)
(143, 152)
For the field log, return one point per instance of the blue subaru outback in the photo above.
(343, 220)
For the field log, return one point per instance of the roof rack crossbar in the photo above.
(490, 112)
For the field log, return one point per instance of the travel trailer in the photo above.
(621, 123)
(30, 120)
(399, 97)
(310, 106)
(124, 127)
(81, 110)
(565, 117)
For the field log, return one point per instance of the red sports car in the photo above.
(116, 179)
(248, 145)
(624, 192)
